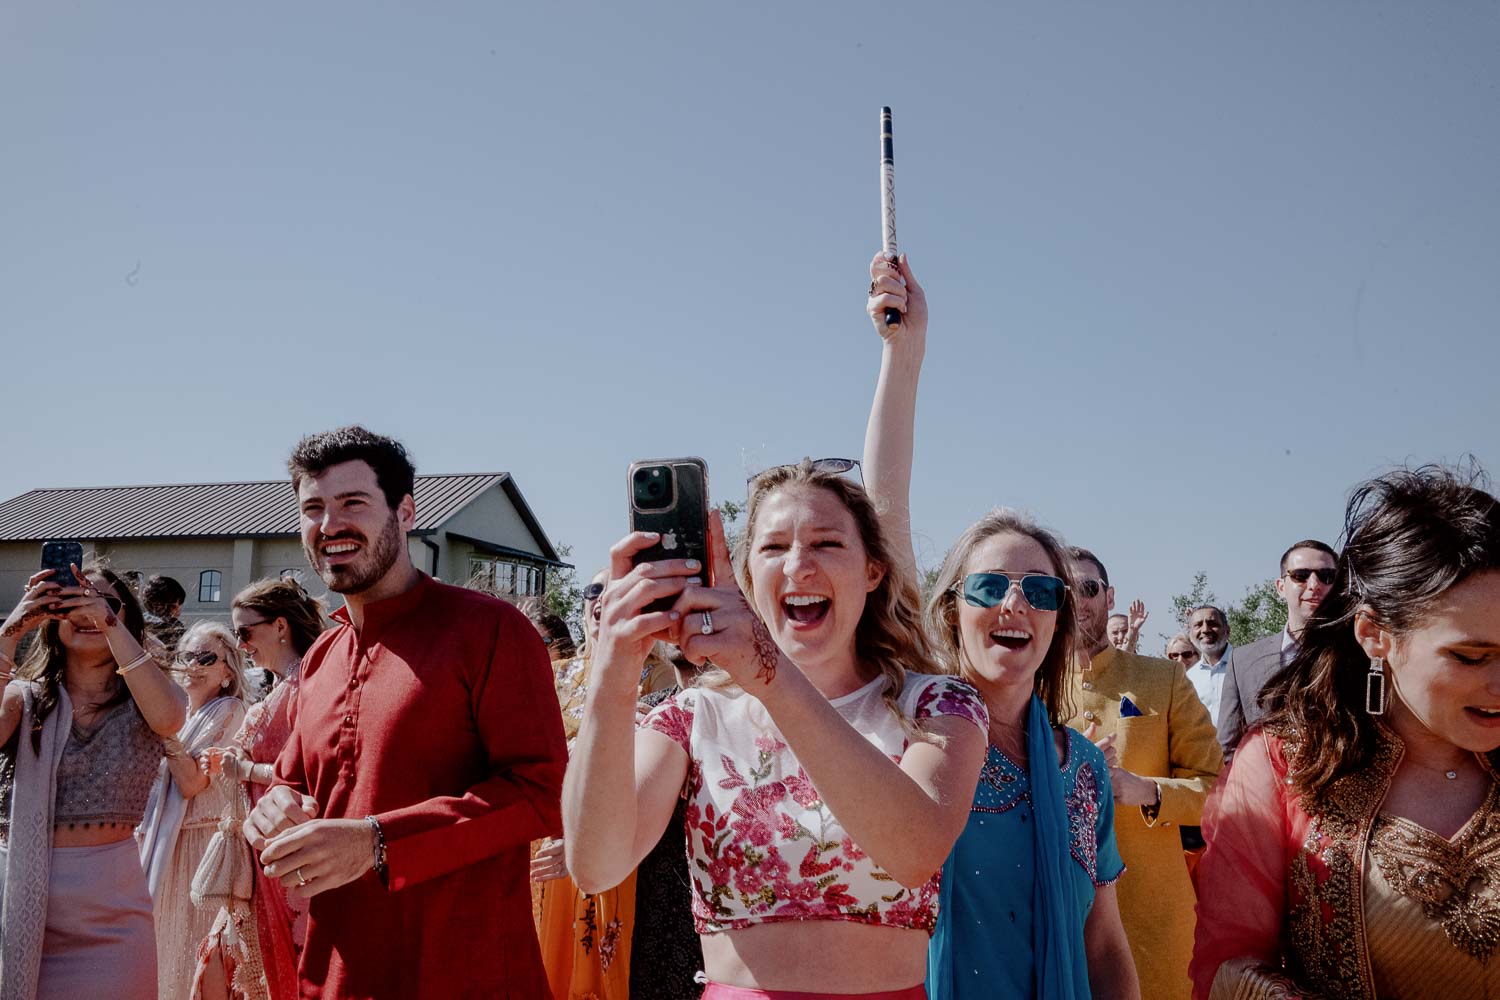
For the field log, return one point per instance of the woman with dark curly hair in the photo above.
(81, 729)
(1354, 850)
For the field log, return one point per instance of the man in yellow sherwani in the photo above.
(1164, 757)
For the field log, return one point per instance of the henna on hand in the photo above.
(23, 624)
(766, 653)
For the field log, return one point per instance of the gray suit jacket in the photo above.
(1249, 668)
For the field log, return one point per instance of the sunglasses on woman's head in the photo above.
(1325, 576)
(986, 590)
(829, 466)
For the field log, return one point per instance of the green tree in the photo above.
(564, 595)
(1197, 596)
(1258, 614)
(730, 511)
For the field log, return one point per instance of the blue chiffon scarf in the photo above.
(1062, 971)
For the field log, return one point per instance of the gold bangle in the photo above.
(133, 664)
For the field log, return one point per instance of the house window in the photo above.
(504, 576)
(209, 586)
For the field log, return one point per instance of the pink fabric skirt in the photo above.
(718, 991)
(101, 939)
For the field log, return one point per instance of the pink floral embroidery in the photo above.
(673, 721)
(762, 844)
(951, 696)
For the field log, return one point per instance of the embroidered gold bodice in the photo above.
(1432, 907)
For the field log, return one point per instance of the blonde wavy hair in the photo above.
(889, 635)
(941, 613)
(230, 655)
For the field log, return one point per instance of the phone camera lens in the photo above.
(652, 488)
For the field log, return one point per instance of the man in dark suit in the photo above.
(1306, 573)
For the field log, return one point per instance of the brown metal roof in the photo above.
(208, 510)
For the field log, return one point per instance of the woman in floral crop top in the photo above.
(1028, 899)
(825, 778)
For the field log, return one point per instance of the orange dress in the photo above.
(585, 938)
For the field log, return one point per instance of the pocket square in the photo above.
(1128, 709)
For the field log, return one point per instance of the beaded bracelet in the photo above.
(380, 866)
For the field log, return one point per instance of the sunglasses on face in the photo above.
(1092, 588)
(243, 633)
(986, 590)
(1325, 576)
(1183, 654)
(207, 658)
(593, 591)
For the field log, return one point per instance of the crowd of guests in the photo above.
(782, 774)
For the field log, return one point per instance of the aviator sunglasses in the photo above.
(986, 590)
(1325, 576)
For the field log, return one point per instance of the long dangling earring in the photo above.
(1375, 687)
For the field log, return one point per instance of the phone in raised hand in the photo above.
(670, 497)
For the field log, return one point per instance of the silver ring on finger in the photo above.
(88, 591)
(708, 624)
(301, 879)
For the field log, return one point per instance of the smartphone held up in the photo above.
(61, 557)
(669, 496)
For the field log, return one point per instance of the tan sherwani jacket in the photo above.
(1173, 742)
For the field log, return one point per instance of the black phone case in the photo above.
(683, 525)
(61, 556)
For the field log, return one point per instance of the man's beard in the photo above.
(1211, 654)
(365, 572)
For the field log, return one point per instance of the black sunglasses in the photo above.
(831, 466)
(207, 658)
(1325, 576)
(243, 633)
(1092, 588)
(1183, 654)
(986, 590)
(593, 591)
(113, 603)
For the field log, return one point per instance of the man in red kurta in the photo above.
(426, 754)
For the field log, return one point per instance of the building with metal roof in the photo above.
(215, 538)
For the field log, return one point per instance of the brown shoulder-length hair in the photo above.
(889, 635)
(1051, 684)
(1409, 536)
(47, 658)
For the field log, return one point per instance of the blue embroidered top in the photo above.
(983, 945)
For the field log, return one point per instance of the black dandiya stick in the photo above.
(888, 201)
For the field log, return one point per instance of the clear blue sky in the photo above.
(1195, 269)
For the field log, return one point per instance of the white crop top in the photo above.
(762, 845)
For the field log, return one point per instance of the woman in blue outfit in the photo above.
(1027, 904)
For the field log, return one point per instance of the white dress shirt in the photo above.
(1208, 681)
